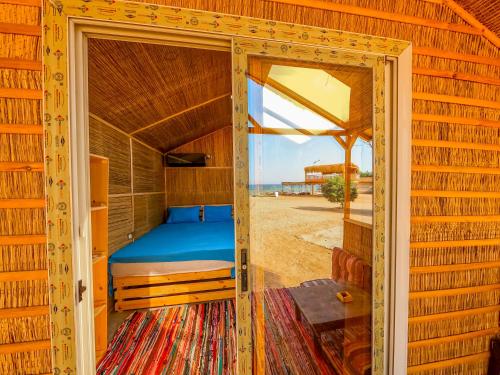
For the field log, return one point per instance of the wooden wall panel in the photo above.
(209, 185)
(121, 222)
(148, 212)
(148, 169)
(105, 141)
(186, 186)
(218, 146)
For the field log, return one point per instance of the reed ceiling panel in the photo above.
(189, 126)
(132, 85)
(486, 11)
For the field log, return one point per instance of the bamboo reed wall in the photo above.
(136, 183)
(358, 239)
(455, 107)
(212, 184)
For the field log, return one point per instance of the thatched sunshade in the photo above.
(330, 169)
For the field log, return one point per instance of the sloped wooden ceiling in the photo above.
(486, 11)
(163, 95)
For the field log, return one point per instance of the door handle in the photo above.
(244, 270)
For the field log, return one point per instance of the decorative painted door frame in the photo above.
(57, 127)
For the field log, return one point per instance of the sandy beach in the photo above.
(292, 236)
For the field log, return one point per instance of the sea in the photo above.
(264, 189)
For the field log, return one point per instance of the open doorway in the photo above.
(161, 207)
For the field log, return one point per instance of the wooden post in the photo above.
(350, 139)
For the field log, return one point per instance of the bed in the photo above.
(175, 264)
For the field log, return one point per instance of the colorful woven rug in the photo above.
(289, 348)
(189, 339)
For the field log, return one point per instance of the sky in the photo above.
(278, 158)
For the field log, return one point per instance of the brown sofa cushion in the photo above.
(347, 268)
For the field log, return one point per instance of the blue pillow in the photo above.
(183, 215)
(218, 213)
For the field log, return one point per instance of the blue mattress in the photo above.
(181, 242)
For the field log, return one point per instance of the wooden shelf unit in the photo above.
(99, 181)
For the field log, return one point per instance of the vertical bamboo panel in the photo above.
(23, 145)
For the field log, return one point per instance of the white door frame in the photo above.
(398, 176)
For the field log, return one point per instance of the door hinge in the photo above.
(81, 289)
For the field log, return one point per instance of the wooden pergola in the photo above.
(359, 124)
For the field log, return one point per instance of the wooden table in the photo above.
(321, 309)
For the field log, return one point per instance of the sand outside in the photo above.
(292, 236)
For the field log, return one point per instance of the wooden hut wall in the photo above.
(212, 184)
(455, 120)
(136, 188)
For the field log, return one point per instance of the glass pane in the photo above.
(310, 136)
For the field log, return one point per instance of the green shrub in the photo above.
(333, 190)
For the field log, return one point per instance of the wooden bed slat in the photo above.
(174, 300)
(162, 290)
(120, 282)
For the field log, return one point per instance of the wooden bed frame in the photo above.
(140, 292)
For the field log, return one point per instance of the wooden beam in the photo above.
(454, 219)
(180, 299)
(456, 100)
(349, 141)
(21, 312)
(104, 122)
(172, 289)
(379, 14)
(170, 117)
(20, 29)
(7, 166)
(453, 314)
(31, 3)
(29, 346)
(22, 203)
(258, 129)
(454, 291)
(458, 243)
(6, 63)
(20, 129)
(454, 267)
(341, 141)
(456, 75)
(452, 169)
(24, 275)
(455, 120)
(428, 367)
(28, 239)
(473, 21)
(444, 54)
(455, 194)
(15, 93)
(301, 100)
(453, 338)
(459, 145)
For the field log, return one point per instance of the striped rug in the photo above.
(289, 347)
(188, 339)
